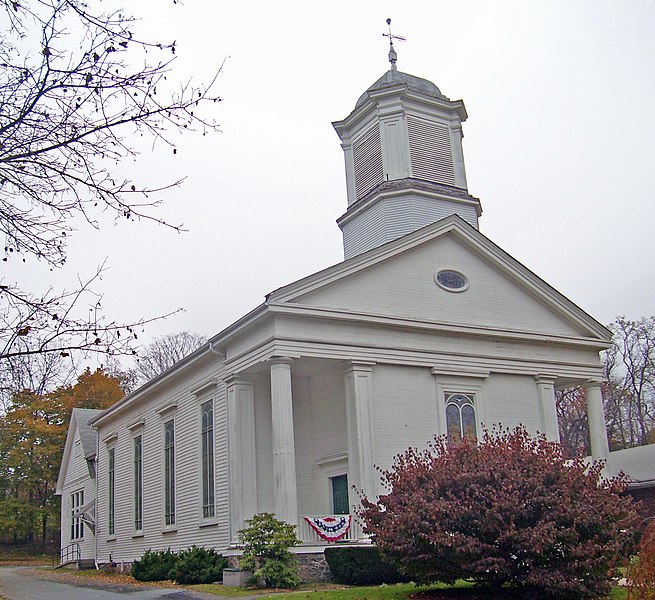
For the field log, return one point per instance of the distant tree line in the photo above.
(39, 396)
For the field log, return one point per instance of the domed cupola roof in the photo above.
(402, 147)
(393, 77)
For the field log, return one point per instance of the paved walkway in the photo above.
(20, 583)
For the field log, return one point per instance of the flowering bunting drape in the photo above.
(330, 528)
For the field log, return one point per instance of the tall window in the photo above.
(340, 504)
(169, 473)
(460, 417)
(77, 526)
(207, 410)
(138, 484)
(111, 490)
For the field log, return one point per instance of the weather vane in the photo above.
(393, 57)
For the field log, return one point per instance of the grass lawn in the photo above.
(321, 591)
(460, 591)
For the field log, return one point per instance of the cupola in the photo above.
(402, 145)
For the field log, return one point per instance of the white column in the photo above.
(359, 395)
(596, 417)
(243, 462)
(284, 455)
(548, 406)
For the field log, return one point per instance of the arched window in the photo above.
(460, 417)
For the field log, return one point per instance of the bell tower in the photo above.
(402, 146)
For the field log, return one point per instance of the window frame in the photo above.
(462, 382)
(468, 400)
(329, 467)
(169, 480)
(137, 484)
(207, 461)
(77, 524)
(111, 491)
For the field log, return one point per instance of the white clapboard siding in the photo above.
(145, 419)
(77, 478)
(391, 218)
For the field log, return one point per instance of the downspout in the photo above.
(97, 510)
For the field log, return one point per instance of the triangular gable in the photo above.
(397, 280)
(79, 425)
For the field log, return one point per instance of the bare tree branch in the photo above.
(76, 89)
(164, 352)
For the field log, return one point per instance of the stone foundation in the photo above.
(312, 566)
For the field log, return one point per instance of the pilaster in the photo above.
(359, 396)
(548, 406)
(243, 462)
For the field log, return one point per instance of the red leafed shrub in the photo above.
(641, 572)
(506, 510)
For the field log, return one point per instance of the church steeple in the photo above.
(404, 160)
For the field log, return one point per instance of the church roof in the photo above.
(88, 435)
(393, 77)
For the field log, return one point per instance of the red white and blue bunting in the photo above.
(330, 528)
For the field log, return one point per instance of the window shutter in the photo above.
(432, 157)
(367, 159)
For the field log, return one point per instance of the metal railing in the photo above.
(69, 553)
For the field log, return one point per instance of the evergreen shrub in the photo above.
(266, 542)
(154, 566)
(361, 566)
(198, 565)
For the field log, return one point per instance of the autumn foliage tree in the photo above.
(32, 436)
(641, 571)
(507, 510)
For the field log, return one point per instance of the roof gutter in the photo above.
(211, 347)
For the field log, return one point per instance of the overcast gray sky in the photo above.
(559, 147)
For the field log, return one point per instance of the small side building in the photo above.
(77, 487)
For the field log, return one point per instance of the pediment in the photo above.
(398, 280)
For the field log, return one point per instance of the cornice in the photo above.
(414, 324)
(403, 187)
(418, 357)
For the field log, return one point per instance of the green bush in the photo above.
(154, 566)
(266, 542)
(361, 566)
(198, 565)
(277, 574)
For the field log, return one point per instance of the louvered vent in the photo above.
(367, 159)
(432, 157)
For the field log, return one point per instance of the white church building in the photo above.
(426, 328)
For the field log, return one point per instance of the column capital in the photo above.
(546, 378)
(362, 366)
(236, 379)
(593, 383)
(281, 360)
